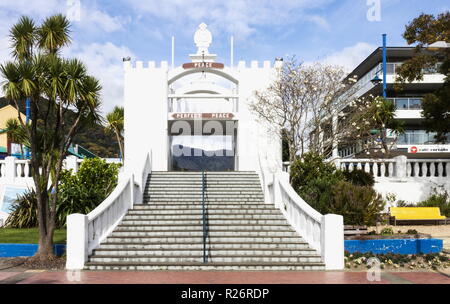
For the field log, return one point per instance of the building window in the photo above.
(407, 103)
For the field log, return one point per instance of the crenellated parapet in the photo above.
(150, 65)
(254, 65)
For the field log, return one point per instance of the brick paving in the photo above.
(215, 277)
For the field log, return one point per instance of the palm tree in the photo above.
(16, 133)
(115, 122)
(54, 87)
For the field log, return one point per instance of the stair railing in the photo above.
(204, 218)
(85, 232)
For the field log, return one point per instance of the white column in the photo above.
(72, 163)
(332, 241)
(400, 166)
(10, 169)
(335, 142)
(77, 241)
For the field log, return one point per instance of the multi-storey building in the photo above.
(415, 142)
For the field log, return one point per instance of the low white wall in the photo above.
(411, 190)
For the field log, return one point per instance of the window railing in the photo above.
(407, 103)
(418, 138)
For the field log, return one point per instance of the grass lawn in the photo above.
(28, 236)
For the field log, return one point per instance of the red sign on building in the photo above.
(202, 65)
(221, 116)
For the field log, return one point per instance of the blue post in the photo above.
(384, 67)
(27, 113)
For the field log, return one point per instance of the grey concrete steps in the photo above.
(198, 252)
(199, 258)
(199, 221)
(212, 239)
(212, 226)
(258, 266)
(267, 246)
(166, 231)
(120, 231)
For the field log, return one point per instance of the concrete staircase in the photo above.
(166, 232)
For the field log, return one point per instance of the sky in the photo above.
(336, 32)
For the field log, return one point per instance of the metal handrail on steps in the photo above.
(204, 218)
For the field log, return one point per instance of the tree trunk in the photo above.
(120, 145)
(46, 227)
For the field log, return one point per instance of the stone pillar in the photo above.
(10, 169)
(72, 163)
(332, 241)
(401, 166)
(77, 244)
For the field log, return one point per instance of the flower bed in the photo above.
(390, 261)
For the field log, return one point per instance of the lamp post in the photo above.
(376, 80)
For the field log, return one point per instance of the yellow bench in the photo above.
(416, 214)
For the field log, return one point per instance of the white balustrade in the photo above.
(86, 232)
(428, 168)
(324, 233)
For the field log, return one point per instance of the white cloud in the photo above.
(104, 61)
(239, 17)
(320, 21)
(350, 57)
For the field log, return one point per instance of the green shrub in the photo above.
(357, 204)
(359, 178)
(311, 166)
(387, 231)
(24, 211)
(441, 200)
(85, 190)
(412, 231)
(78, 193)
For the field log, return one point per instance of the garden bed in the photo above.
(28, 236)
(398, 262)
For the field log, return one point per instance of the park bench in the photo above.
(417, 214)
(350, 230)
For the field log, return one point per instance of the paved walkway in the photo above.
(190, 277)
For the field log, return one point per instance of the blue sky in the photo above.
(332, 31)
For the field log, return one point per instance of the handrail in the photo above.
(204, 219)
(86, 232)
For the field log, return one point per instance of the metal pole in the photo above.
(173, 52)
(27, 113)
(384, 67)
(232, 52)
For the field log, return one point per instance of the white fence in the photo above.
(324, 233)
(86, 232)
(18, 172)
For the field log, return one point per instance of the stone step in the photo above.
(208, 195)
(206, 267)
(198, 221)
(149, 238)
(200, 192)
(140, 219)
(199, 258)
(300, 245)
(212, 227)
(209, 199)
(199, 252)
(211, 212)
(199, 233)
(246, 205)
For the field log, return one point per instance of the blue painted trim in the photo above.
(401, 246)
(26, 250)
(27, 113)
(384, 67)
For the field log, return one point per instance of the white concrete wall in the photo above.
(255, 139)
(145, 100)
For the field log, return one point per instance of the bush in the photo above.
(357, 204)
(78, 193)
(310, 167)
(441, 200)
(85, 190)
(24, 212)
(387, 231)
(359, 178)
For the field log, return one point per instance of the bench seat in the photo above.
(416, 214)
